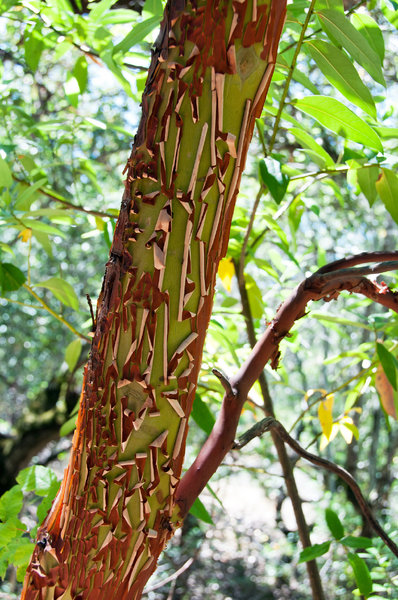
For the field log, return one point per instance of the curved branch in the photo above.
(269, 423)
(326, 284)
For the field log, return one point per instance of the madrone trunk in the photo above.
(210, 71)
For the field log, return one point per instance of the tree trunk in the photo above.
(116, 508)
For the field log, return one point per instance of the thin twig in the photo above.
(270, 423)
(290, 75)
(56, 315)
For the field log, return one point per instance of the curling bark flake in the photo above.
(116, 509)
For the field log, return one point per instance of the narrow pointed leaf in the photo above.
(338, 27)
(138, 33)
(371, 31)
(338, 118)
(387, 187)
(339, 70)
(72, 353)
(367, 177)
(387, 360)
(62, 290)
(314, 551)
(361, 574)
(334, 523)
(202, 415)
(309, 142)
(199, 511)
(5, 174)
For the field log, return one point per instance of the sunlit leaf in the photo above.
(371, 32)
(339, 28)
(226, 271)
(338, 118)
(367, 178)
(72, 353)
(342, 74)
(137, 34)
(62, 290)
(36, 479)
(5, 174)
(309, 142)
(388, 363)
(199, 511)
(387, 187)
(386, 392)
(325, 416)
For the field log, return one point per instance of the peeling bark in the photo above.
(209, 75)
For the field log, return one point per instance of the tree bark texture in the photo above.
(208, 78)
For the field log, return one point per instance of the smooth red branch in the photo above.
(326, 284)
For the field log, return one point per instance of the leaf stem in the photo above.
(54, 314)
(290, 75)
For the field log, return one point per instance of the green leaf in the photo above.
(100, 8)
(342, 74)
(358, 541)
(11, 278)
(72, 90)
(367, 178)
(25, 199)
(155, 7)
(202, 415)
(387, 360)
(37, 479)
(387, 188)
(334, 523)
(330, 4)
(370, 31)
(309, 142)
(138, 34)
(199, 511)
(274, 178)
(314, 551)
(11, 503)
(338, 118)
(48, 498)
(255, 296)
(361, 574)
(72, 353)
(5, 174)
(80, 73)
(62, 290)
(338, 27)
(33, 47)
(68, 426)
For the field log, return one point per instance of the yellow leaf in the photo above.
(346, 429)
(325, 415)
(385, 391)
(226, 272)
(325, 441)
(25, 235)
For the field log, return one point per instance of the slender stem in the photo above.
(290, 74)
(54, 196)
(54, 314)
(242, 258)
(25, 304)
(271, 424)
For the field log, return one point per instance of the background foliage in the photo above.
(320, 184)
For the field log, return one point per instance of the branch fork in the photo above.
(327, 283)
